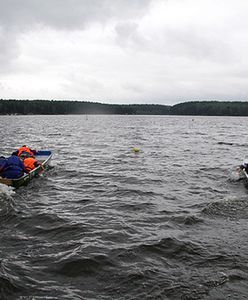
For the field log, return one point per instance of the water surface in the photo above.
(169, 222)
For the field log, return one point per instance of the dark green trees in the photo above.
(207, 108)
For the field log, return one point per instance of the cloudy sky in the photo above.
(124, 51)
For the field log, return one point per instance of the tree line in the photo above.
(51, 107)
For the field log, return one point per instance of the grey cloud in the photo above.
(126, 29)
(136, 88)
(9, 49)
(196, 44)
(67, 14)
(128, 35)
(189, 42)
(17, 17)
(159, 58)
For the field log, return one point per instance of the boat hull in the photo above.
(44, 157)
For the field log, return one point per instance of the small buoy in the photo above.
(136, 149)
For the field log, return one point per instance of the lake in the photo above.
(105, 222)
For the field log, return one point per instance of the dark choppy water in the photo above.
(170, 222)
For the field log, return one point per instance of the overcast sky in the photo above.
(124, 51)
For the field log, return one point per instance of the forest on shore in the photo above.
(55, 107)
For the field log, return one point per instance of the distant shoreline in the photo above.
(59, 107)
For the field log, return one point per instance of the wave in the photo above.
(9, 284)
(7, 287)
(231, 208)
(82, 266)
(187, 220)
(233, 144)
(166, 248)
(7, 202)
(5, 190)
(54, 134)
(225, 143)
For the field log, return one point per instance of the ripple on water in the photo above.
(228, 208)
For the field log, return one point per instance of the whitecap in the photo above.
(6, 190)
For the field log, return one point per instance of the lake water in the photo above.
(104, 222)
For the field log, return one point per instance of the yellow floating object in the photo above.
(136, 149)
